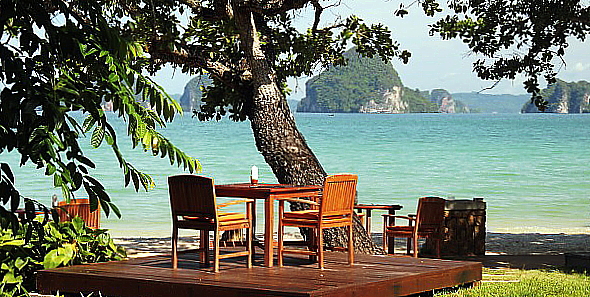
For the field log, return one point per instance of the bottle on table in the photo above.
(254, 175)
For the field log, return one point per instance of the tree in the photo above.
(68, 55)
(528, 37)
(58, 57)
(62, 56)
(249, 48)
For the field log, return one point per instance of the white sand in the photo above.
(496, 244)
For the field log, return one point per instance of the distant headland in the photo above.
(369, 85)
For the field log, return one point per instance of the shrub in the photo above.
(46, 244)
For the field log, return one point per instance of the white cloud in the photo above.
(580, 67)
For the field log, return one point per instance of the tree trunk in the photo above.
(277, 138)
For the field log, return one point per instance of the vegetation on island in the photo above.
(371, 85)
(193, 92)
(347, 88)
(564, 97)
(490, 103)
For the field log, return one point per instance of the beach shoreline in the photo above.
(514, 244)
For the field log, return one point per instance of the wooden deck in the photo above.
(153, 276)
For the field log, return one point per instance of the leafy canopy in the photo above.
(57, 57)
(528, 37)
(201, 37)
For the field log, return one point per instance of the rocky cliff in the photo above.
(369, 85)
(446, 103)
(564, 97)
(363, 85)
(191, 98)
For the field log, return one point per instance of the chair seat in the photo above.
(410, 229)
(310, 214)
(226, 219)
(223, 217)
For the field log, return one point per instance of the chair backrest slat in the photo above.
(339, 193)
(192, 195)
(430, 212)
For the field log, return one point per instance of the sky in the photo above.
(435, 63)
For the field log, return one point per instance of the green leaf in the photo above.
(50, 169)
(10, 278)
(88, 123)
(78, 224)
(15, 242)
(115, 209)
(97, 136)
(86, 161)
(19, 263)
(5, 169)
(52, 260)
(113, 77)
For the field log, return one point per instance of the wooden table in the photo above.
(391, 208)
(269, 193)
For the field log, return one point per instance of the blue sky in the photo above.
(435, 63)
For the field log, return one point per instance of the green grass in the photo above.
(529, 283)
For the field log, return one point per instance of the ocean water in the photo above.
(533, 170)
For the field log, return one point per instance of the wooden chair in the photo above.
(428, 222)
(79, 208)
(334, 208)
(193, 203)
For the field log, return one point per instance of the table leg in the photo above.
(268, 231)
(254, 240)
(368, 221)
(391, 240)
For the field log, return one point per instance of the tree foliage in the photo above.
(36, 246)
(528, 37)
(59, 57)
(209, 43)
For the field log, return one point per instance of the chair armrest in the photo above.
(409, 217)
(298, 200)
(233, 202)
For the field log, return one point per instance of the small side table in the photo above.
(368, 208)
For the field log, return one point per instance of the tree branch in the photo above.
(221, 71)
(318, 14)
(272, 7)
(204, 13)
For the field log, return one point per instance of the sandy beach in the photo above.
(512, 244)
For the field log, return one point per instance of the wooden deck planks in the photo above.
(370, 276)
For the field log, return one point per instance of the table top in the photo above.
(262, 190)
(379, 206)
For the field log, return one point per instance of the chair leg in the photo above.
(320, 250)
(216, 251)
(249, 246)
(415, 246)
(350, 246)
(385, 239)
(438, 243)
(174, 247)
(280, 246)
(204, 247)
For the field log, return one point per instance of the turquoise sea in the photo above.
(533, 170)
